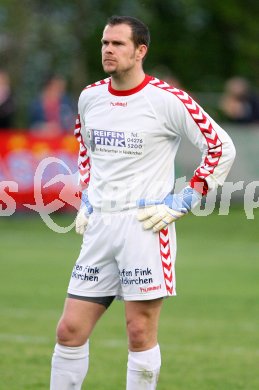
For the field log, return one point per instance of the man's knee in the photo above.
(69, 333)
(138, 333)
(142, 324)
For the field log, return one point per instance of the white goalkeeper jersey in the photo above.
(129, 140)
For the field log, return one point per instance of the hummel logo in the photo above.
(120, 104)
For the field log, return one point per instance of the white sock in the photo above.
(143, 369)
(69, 367)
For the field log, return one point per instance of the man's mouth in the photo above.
(109, 60)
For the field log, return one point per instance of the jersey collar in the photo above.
(129, 91)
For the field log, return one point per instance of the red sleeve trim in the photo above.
(214, 152)
(83, 158)
(199, 185)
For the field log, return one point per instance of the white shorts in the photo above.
(119, 258)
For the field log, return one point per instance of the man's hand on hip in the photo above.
(157, 215)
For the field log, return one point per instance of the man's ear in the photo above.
(141, 52)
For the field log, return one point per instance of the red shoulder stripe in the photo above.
(214, 153)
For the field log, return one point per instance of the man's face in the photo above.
(119, 54)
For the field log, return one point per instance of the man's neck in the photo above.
(125, 82)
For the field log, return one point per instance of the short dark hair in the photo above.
(140, 32)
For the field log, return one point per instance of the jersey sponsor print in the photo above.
(116, 142)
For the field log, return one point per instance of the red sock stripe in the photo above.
(166, 260)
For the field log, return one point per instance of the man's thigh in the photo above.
(78, 320)
(146, 261)
(95, 273)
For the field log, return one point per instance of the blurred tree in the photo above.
(202, 42)
(206, 42)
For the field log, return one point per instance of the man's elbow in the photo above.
(230, 151)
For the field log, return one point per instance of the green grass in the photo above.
(208, 334)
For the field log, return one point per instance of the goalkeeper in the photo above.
(129, 128)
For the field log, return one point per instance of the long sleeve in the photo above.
(83, 158)
(218, 151)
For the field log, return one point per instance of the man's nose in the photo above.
(108, 48)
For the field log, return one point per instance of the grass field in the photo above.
(209, 333)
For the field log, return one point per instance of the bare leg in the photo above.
(71, 354)
(77, 321)
(144, 358)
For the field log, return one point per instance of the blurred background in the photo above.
(200, 44)
(49, 51)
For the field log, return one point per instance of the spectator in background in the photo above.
(52, 112)
(239, 103)
(164, 73)
(7, 108)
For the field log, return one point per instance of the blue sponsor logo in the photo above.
(108, 138)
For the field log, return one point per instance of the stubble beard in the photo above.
(119, 74)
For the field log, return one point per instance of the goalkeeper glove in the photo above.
(83, 214)
(157, 215)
